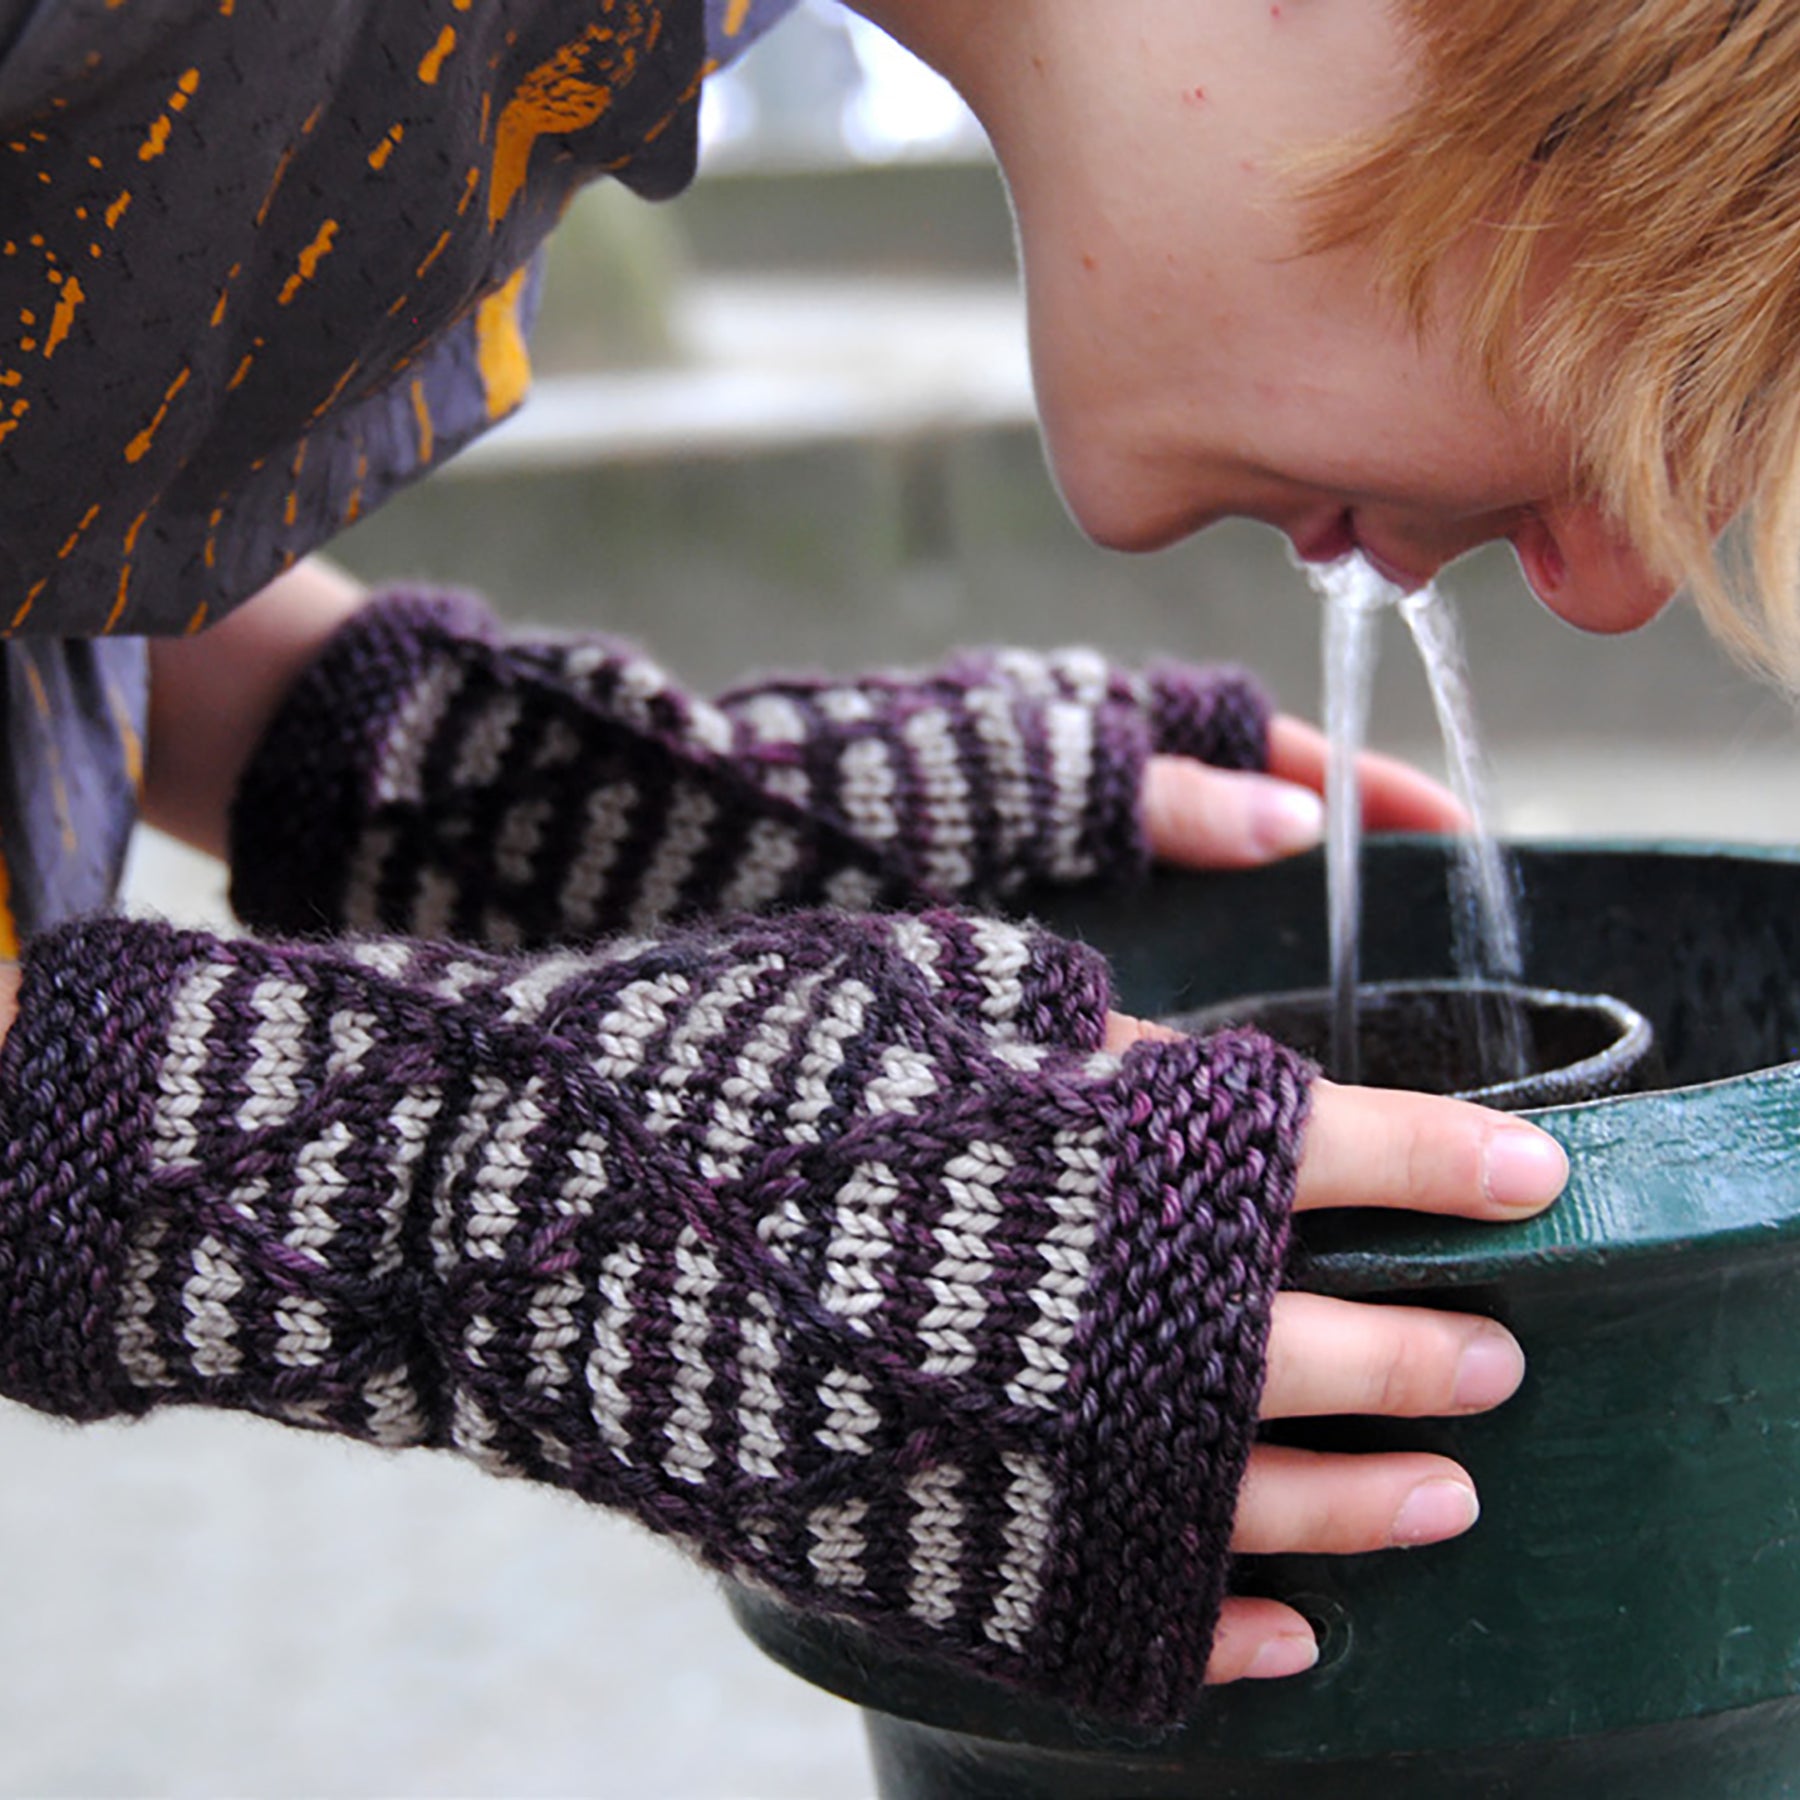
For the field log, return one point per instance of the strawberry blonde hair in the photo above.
(1628, 174)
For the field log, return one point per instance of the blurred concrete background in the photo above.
(786, 421)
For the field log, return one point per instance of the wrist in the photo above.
(212, 697)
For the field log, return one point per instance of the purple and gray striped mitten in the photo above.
(430, 776)
(827, 1243)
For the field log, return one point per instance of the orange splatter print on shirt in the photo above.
(156, 140)
(422, 416)
(439, 54)
(31, 600)
(9, 929)
(378, 157)
(500, 348)
(80, 531)
(69, 298)
(124, 594)
(310, 258)
(131, 743)
(139, 447)
(568, 93)
(274, 188)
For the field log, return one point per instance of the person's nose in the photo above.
(1582, 566)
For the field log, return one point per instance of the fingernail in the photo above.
(1284, 820)
(1523, 1168)
(1435, 1510)
(1283, 1656)
(1490, 1369)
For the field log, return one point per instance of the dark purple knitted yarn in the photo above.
(1223, 721)
(430, 776)
(825, 1244)
(76, 1079)
(1171, 1365)
(305, 797)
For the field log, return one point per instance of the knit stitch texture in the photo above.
(431, 776)
(812, 1242)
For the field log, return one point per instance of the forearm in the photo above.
(212, 697)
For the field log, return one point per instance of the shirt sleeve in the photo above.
(71, 763)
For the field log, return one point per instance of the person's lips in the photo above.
(1408, 569)
(1325, 540)
(1340, 535)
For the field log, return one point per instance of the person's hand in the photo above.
(9, 997)
(1374, 1147)
(1206, 818)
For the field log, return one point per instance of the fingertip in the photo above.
(1259, 1640)
(1522, 1168)
(1200, 817)
(1283, 820)
(1122, 1031)
(1489, 1371)
(1281, 1657)
(1433, 1512)
(1398, 797)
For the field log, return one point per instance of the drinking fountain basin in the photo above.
(1625, 1618)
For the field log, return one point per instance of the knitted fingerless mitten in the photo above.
(428, 776)
(799, 1240)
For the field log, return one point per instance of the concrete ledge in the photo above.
(783, 364)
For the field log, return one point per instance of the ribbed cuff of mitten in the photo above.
(826, 1244)
(312, 789)
(1218, 716)
(429, 775)
(1204, 1136)
(78, 1078)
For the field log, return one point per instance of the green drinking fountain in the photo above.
(1624, 1621)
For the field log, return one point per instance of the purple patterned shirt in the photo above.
(261, 265)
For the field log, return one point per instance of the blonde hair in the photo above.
(1628, 174)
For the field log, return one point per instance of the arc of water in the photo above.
(1489, 943)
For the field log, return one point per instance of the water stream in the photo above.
(1485, 902)
(1486, 936)
(1354, 596)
